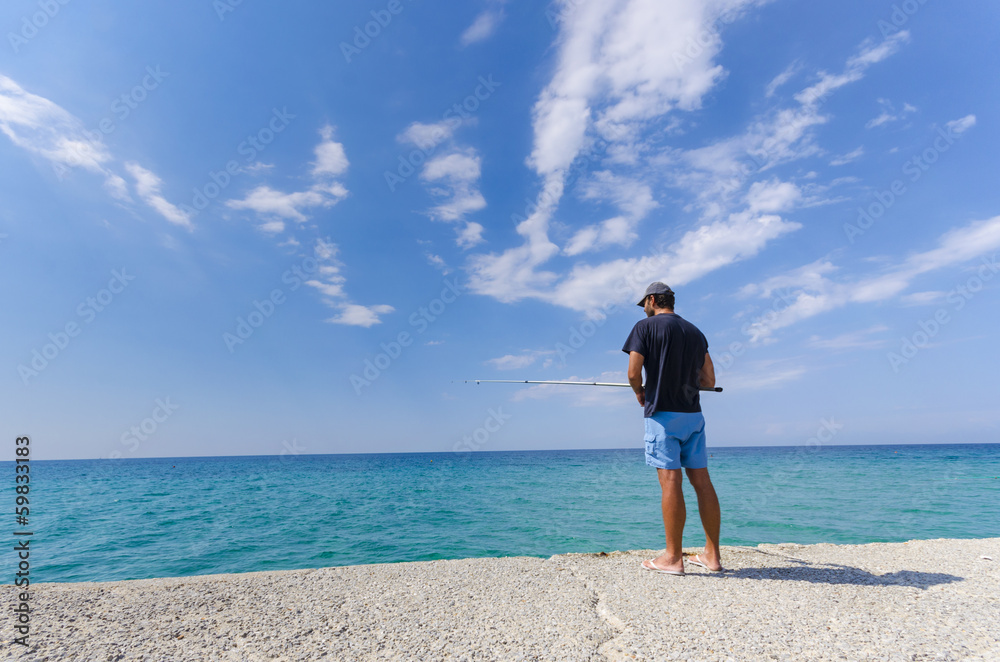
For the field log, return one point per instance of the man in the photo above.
(675, 355)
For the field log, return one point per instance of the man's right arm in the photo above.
(707, 377)
(635, 361)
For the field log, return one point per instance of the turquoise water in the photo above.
(98, 520)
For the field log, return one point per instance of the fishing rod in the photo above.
(716, 389)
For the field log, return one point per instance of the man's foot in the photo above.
(650, 564)
(659, 565)
(702, 563)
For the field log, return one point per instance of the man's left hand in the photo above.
(641, 397)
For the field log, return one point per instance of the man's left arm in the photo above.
(706, 377)
(635, 360)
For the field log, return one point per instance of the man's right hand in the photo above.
(641, 397)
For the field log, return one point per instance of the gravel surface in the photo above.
(922, 600)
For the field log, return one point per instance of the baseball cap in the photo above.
(655, 288)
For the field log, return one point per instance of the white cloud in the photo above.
(428, 136)
(622, 73)
(331, 160)
(923, 298)
(813, 291)
(696, 253)
(514, 361)
(621, 66)
(438, 262)
(847, 158)
(483, 27)
(854, 340)
(782, 78)
(326, 191)
(352, 314)
(40, 126)
(147, 186)
(884, 118)
(962, 125)
(329, 282)
(889, 114)
(116, 186)
(470, 235)
(456, 176)
(772, 196)
(44, 128)
(455, 167)
(272, 206)
(762, 375)
(266, 201)
(718, 171)
(871, 53)
(452, 177)
(258, 166)
(633, 199)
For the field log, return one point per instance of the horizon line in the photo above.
(534, 450)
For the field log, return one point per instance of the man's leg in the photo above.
(711, 515)
(674, 514)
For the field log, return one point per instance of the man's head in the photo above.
(658, 297)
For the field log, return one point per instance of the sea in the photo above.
(100, 520)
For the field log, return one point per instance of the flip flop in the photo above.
(652, 567)
(696, 560)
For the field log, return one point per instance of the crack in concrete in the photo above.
(613, 624)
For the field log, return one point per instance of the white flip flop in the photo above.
(698, 562)
(652, 567)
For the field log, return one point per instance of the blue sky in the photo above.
(255, 229)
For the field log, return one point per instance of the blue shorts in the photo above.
(675, 440)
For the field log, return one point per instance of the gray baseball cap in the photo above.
(655, 288)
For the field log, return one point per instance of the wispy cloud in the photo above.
(889, 114)
(759, 375)
(438, 262)
(844, 159)
(871, 52)
(813, 289)
(428, 136)
(274, 206)
(634, 201)
(452, 177)
(352, 314)
(621, 74)
(923, 298)
(484, 25)
(45, 129)
(854, 340)
(147, 186)
(961, 125)
(329, 282)
(782, 78)
(517, 361)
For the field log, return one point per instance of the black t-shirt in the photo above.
(674, 353)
